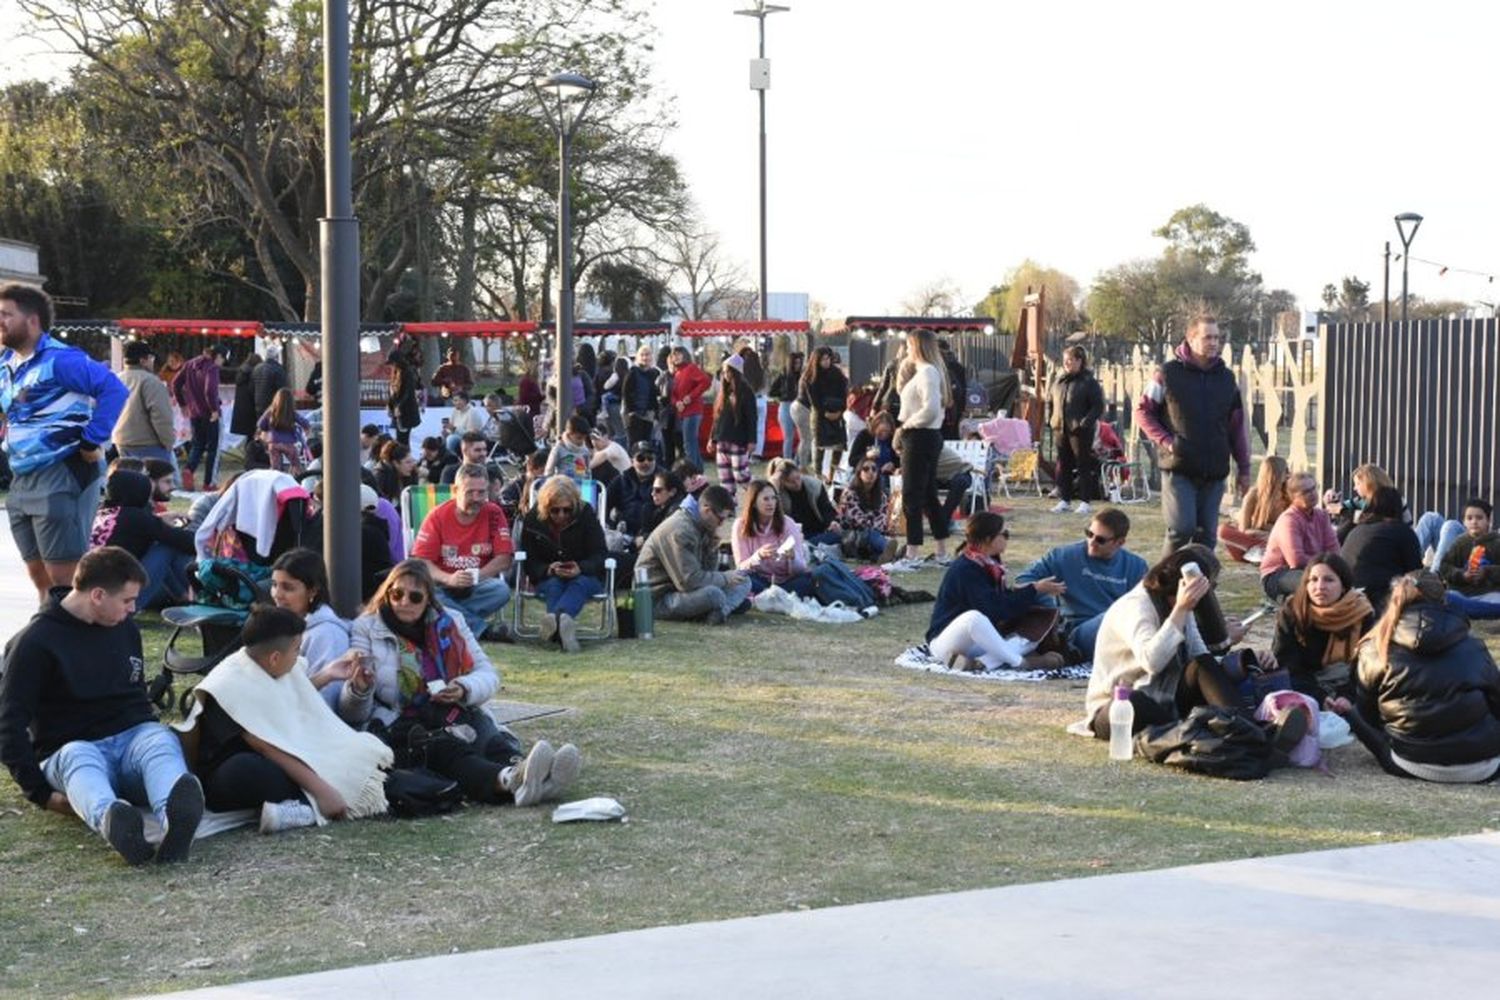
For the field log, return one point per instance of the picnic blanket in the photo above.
(918, 658)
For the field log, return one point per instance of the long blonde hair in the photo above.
(1262, 510)
(1373, 474)
(554, 490)
(1412, 588)
(923, 344)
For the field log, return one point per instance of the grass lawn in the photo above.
(770, 765)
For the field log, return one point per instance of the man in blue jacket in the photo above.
(1096, 571)
(60, 408)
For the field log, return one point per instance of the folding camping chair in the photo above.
(977, 453)
(593, 493)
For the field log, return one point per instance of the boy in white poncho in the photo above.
(259, 736)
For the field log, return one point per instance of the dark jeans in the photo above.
(1191, 509)
(668, 439)
(205, 446)
(1281, 583)
(476, 768)
(638, 429)
(1075, 457)
(245, 781)
(919, 491)
(957, 488)
(1204, 682)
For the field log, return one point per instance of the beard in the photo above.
(14, 336)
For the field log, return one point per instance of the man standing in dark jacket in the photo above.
(639, 399)
(1077, 403)
(1193, 413)
(77, 730)
(196, 389)
(268, 377)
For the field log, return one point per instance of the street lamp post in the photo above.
(760, 82)
(339, 233)
(1404, 220)
(563, 90)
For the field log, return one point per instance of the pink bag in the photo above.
(1306, 753)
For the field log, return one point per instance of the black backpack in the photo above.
(1212, 741)
(414, 792)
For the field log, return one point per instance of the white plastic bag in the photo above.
(601, 808)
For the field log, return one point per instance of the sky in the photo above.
(946, 141)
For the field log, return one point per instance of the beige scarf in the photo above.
(289, 714)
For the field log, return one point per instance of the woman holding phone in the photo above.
(565, 552)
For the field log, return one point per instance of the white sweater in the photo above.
(1138, 649)
(922, 399)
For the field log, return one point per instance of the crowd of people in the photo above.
(1372, 610)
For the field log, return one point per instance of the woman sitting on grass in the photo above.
(1428, 701)
(1149, 642)
(426, 687)
(864, 514)
(768, 544)
(974, 606)
(1319, 627)
(1381, 546)
(1245, 539)
(299, 584)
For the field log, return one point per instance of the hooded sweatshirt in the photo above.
(67, 680)
(125, 518)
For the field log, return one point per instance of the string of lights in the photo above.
(1445, 269)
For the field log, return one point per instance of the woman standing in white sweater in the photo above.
(924, 397)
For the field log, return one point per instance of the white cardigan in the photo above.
(1136, 648)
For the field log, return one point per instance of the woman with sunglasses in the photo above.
(565, 552)
(424, 682)
(1302, 531)
(768, 544)
(974, 605)
(864, 514)
(667, 494)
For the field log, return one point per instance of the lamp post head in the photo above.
(567, 86)
(761, 9)
(1404, 220)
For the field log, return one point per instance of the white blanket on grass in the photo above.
(288, 713)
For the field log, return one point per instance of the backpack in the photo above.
(833, 582)
(1211, 741)
(412, 793)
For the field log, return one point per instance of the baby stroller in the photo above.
(515, 440)
(235, 574)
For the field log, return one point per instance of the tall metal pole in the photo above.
(563, 346)
(762, 313)
(1405, 262)
(339, 232)
(1385, 297)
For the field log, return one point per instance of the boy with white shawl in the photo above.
(260, 736)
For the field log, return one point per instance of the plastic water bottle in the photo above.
(1121, 721)
(641, 606)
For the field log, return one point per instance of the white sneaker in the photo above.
(566, 765)
(292, 814)
(1083, 508)
(567, 632)
(1061, 508)
(524, 780)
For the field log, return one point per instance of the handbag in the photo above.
(414, 792)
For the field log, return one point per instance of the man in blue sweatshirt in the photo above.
(77, 730)
(60, 409)
(1097, 572)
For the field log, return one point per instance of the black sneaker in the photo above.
(125, 832)
(498, 632)
(184, 810)
(1287, 731)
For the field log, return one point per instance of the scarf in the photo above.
(1342, 621)
(289, 714)
(994, 567)
(430, 650)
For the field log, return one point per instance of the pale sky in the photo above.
(947, 140)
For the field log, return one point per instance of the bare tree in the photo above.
(705, 279)
(936, 298)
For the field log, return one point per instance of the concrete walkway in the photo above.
(1401, 920)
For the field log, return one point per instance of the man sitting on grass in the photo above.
(77, 730)
(681, 560)
(1095, 572)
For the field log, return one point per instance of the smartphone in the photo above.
(1191, 571)
(787, 546)
(1254, 617)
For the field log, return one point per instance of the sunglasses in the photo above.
(867, 468)
(399, 595)
(562, 511)
(659, 489)
(1094, 536)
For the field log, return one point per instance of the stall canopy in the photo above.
(188, 327)
(742, 328)
(863, 327)
(470, 328)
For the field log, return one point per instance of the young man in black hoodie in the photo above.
(77, 730)
(127, 519)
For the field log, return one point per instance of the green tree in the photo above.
(627, 291)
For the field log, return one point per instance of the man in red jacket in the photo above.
(689, 383)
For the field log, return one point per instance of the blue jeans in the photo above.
(801, 584)
(824, 538)
(1085, 634)
(139, 765)
(166, 576)
(1191, 509)
(690, 450)
(869, 544)
(1438, 535)
(1475, 607)
(568, 597)
(476, 604)
(788, 429)
(205, 446)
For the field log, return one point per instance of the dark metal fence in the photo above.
(1421, 402)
